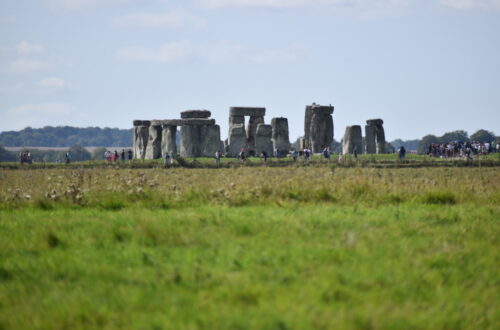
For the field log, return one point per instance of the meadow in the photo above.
(301, 246)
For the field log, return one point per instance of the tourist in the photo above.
(242, 155)
(307, 154)
(68, 157)
(276, 152)
(264, 156)
(355, 152)
(402, 153)
(129, 152)
(217, 158)
(294, 155)
(115, 156)
(122, 156)
(326, 153)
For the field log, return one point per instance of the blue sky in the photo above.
(424, 66)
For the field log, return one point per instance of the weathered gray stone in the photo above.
(375, 136)
(318, 127)
(189, 114)
(381, 144)
(153, 148)
(210, 140)
(141, 137)
(137, 122)
(236, 120)
(247, 111)
(190, 139)
(168, 141)
(375, 122)
(307, 126)
(251, 131)
(352, 139)
(321, 128)
(237, 140)
(370, 136)
(280, 138)
(263, 139)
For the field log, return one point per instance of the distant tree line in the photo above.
(67, 136)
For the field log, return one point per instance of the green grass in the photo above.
(246, 248)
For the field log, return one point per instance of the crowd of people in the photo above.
(25, 157)
(461, 149)
(114, 156)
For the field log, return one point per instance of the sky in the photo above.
(423, 66)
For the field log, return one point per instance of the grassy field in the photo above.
(297, 247)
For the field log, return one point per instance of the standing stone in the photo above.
(153, 148)
(280, 138)
(190, 140)
(237, 140)
(352, 138)
(263, 139)
(251, 132)
(210, 140)
(370, 136)
(375, 128)
(169, 140)
(141, 137)
(318, 127)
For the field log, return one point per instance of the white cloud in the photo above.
(23, 65)
(12, 88)
(280, 55)
(221, 52)
(26, 48)
(53, 82)
(172, 19)
(39, 115)
(80, 4)
(44, 109)
(169, 52)
(472, 4)
(357, 8)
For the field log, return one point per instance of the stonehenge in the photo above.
(241, 138)
(352, 140)
(374, 142)
(280, 138)
(318, 127)
(200, 136)
(375, 137)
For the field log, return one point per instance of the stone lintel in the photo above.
(322, 109)
(195, 114)
(375, 122)
(142, 122)
(247, 111)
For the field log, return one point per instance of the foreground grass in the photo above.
(317, 266)
(267, 248)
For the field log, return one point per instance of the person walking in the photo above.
(263, 155)
(122, 156)
(402, 153)
(355, 152)
(326, 153)
(217, 158)
(68, 157)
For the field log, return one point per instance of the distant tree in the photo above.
(6, 155)
(424, 143)
(483, 136)
(79, 153)
(98, 153)
(336, 147)
(408, 144)
(66, 136)
(459, 135)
